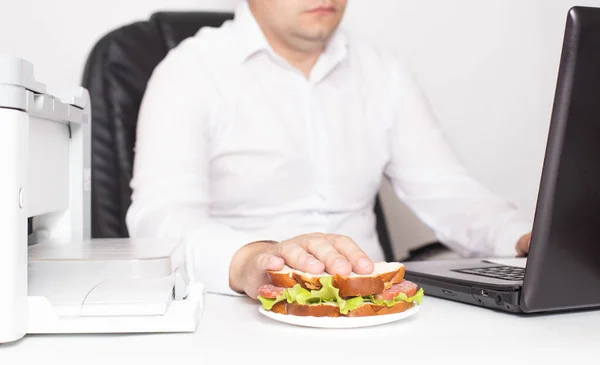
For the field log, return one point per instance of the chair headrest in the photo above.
(116, 75)
(176, 26)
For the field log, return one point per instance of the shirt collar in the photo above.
(248, 33)
(252, 39)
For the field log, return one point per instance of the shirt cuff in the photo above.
(208, 259)
(507, 239)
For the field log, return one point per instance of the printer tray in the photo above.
(111, 285)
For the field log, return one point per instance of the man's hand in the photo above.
(312, 253)
(523, 245)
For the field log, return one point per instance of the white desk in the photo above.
(232, 328)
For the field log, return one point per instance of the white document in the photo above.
(514, 262)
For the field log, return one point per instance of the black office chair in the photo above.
(116, 74)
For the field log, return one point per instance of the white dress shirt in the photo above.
(234, 145)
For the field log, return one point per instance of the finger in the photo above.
(324, 251)
(256, 276)
(523, 246)
(298, 258)
(523, 249)
(360, 261)
(266, 262)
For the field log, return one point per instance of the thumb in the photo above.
(268, 262)
(257, 276)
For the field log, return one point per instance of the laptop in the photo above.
(562, 269)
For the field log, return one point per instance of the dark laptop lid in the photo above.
(563, 266)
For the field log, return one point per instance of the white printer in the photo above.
(53, 277)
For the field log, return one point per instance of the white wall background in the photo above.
(488, 67)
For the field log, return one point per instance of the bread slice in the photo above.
(332, 310)
(282, 278)
(384, 275)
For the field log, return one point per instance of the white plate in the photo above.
(339, 322)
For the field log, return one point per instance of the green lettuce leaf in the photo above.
(330, 294)
(296, 294)
(327, 294)
(268, 303)
(401, 297)
(351, 304)
(418, 297)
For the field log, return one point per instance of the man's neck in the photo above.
(303, 56)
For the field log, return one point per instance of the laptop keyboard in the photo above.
(497, 272)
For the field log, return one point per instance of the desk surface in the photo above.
(232, 328)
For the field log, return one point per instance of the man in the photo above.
(256, 135)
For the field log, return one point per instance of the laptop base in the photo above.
(478, 295)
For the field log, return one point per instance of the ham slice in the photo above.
(407, 287)
(270, 291)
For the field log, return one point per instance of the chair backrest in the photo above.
(116, 74)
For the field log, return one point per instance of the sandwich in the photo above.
(384, 291)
